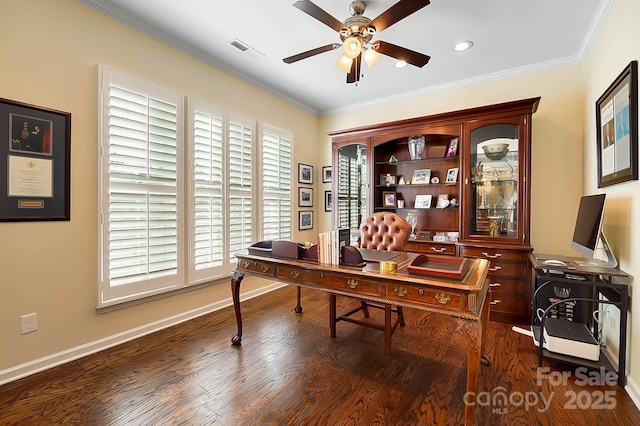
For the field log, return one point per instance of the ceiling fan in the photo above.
(356, 33)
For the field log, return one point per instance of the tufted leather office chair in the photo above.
(380, 231)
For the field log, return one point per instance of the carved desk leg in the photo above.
(236, 279)
(298, 306)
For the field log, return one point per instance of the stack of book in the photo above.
(330, 245)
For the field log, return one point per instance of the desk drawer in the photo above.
(262, 268)
(509, 303)
(442, 299)
(507, 285)
(330, 280)
(431, 248)
(494, 254)
(506, 269)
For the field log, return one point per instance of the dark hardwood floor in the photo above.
(288, 371)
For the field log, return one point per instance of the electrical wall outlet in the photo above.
(29, 323)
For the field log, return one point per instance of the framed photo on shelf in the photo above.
(305, 197)
(305, 174)
(443, 201)
(305, 220)
(387, 179)
(36, 162)
(617, 129)
(422, 176)
(326, 174)
(452, 147)
(452, 175)
(423, 201)
(388, 199)
(327, 201)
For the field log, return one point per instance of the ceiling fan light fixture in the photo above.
(344, 63)
(400, 64)
(351, 47)
(371, 57)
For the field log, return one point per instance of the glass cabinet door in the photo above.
(495, 177)
(350, 187)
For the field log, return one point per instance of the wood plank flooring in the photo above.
(288, 371)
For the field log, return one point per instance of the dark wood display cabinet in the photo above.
(467, 190)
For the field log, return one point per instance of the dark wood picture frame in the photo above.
(305, 197)
(305, 220)
(326, 174)
(35, 163)
(388, 199)
(305, 173)
(327, 201)
(617, 129)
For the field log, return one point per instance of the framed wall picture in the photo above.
(305, 220)
(388, 199)
(35, 150)
(423, 201)
(422, 176)
(327, 201)
(326, 174)
(305, 174)
(452, 175)
(452, 147)
(617, 129)
(305, 197)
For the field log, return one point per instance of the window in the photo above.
(162, 228)
(140, 166)
(221, 189)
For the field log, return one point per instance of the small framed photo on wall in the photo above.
(326, 174)
(305, 174)
(305, 197)
(327, 201)
(305, 220)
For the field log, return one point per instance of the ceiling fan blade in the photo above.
(401, 53)
(312, 52)
(354, 73)
(316, 12)
(397, 12)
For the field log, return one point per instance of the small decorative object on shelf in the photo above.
(412, 220)
(389, 199)
(416, 147)
(423, 201)
(443, 201)
(435, 179)
(452, 175)
(393, 160)
(452, 147)
(401, 181)
(387, 179)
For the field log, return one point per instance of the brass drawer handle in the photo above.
(401, 291)
(264, 268)
(352, 283)
(495, 302)
(495, 268)
(245, 264)
(438, 250)
(491, 256)
(295, 274)
(495, 285)
(442, 298)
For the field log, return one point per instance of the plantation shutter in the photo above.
(240, 186)
(276, 185)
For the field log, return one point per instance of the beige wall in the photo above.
(616, 46)
(49, 52)
(556, 149)
(50, 267)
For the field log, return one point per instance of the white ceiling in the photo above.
(510, 37)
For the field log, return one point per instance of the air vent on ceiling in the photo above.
(246, 49)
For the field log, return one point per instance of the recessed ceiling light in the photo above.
(400, 64)
(462, 46)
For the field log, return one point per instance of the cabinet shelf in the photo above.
(419, 162)
(495, 182)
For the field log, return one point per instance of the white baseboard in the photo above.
(633, 391)
(53, 360)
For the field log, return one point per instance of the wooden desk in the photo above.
(462, 301)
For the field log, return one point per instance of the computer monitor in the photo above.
(588, 238)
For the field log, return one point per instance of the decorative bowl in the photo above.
(496, 151)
